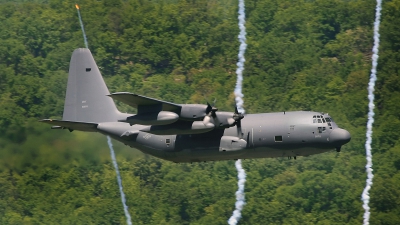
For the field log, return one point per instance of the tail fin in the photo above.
(86, 98)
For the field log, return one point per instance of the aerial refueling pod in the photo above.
(152, 118)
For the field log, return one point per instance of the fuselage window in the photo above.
(323, 120)
(278, 138)
(319, 121)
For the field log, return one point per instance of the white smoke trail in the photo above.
(83, 29)
(240, 64)
(121, 190)
(371, 106)
(240, 201)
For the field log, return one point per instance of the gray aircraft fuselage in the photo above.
(267, 135)
(189, 132)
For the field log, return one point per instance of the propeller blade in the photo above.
(210, 113)
(209, 108)
(237, 116)
(239, 129)
(215, 100)
(248, 139)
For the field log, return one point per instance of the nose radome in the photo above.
(339, 137)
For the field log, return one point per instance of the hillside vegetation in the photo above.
(302, 55)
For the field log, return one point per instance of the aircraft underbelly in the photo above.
(213, 154)
(192, 148)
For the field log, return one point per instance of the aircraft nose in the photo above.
(339, 137)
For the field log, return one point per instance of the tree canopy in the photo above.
(302, 55)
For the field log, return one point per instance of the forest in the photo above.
(312, 55)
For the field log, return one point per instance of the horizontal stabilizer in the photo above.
(71, 125)
(140, 100)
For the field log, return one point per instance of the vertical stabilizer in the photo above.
(86, 98)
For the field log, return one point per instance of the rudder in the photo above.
(86, 97)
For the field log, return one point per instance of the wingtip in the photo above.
(122, 93)
(46, 120)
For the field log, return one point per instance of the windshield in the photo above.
(328, 119)
(322, 119)
(318, 119)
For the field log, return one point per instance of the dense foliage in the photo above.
(302, 55)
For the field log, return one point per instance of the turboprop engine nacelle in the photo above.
(152, 118)
(193, 112)
(181, 127)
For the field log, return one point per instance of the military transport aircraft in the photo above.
(189, 132)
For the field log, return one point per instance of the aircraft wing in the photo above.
(135, 100)
(71, 125)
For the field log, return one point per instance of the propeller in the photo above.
(232, 121)
(237, 116)
(210, 112)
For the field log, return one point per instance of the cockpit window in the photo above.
(322, 119)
